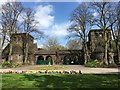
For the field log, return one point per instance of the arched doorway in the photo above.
(40, 60)
(66, 60)
(76, 60)
(71, 60)
(49, 60)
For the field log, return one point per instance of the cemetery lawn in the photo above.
(47, 67)
(60, 81)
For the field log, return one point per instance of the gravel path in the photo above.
(85, 70)
(88, 70)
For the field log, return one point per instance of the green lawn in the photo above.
(59, 81)
(47, 67)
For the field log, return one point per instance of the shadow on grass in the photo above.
(73, 81)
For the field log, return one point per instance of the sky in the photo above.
(53, 18)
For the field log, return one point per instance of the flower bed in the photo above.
(41, 71)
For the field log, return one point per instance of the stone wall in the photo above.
(16, 58)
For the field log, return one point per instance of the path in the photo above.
(88, 70)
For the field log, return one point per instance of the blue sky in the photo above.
(53, 18)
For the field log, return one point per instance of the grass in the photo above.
(51, 81)
(48, 67)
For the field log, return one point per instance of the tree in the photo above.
(9, 19)
(74, 44)
(81, 24)
(52, 44)
(118, 37)
(103, 20)
(29, 26)
(116, 30)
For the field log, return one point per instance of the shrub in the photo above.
(96, 63)
(14, 65)
(92, 63)
(6, 64)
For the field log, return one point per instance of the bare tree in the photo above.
(81, 24)
(52, 44)
(103, 20)
(29, 24)
(116, 30)
(118, 37)
(9, 19)
(74, 44)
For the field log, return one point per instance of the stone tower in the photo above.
(96, 40)
(18, 48)
(96, 43)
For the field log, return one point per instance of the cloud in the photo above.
(60, 29)
(44, 16)
(1, 3)
(5, 1)
(95, 14)
(46, 23)
(20, 17)
(57, 30)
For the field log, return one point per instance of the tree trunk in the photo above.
(118, 44)
(10, 53)
(87, 53)
(111, 59)
(85, 58)
(85, 50)
(118, 54)
(26, 53)
(106, 49)
(1, 53)
(26, 50)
